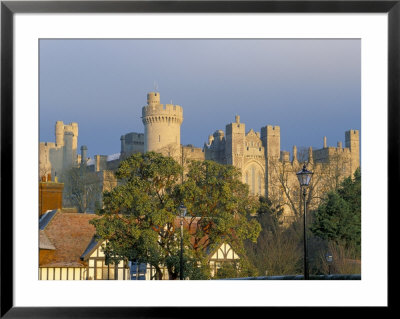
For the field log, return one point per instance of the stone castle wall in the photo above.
(269, 171)
(55, 158)
(266, 169)
(162, 125)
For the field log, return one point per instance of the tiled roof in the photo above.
(46, 218)
(70, 233)
(92, 245)
(44, 241)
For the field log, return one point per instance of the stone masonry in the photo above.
(266, 169)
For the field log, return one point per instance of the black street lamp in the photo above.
(304, 177)
(329, 259)
(182, 210)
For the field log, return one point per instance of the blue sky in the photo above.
(311, 88)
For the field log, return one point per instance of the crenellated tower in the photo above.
(352, 141)
(271, 138)
(235, 143)
(162, 126)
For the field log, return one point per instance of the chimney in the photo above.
(50, 196)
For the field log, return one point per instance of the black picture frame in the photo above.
(9, 8)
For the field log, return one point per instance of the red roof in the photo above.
(70, 234)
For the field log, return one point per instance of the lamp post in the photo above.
(304, 177)
(182, 210)
(329, 259)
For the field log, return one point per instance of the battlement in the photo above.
(352, 138)
(329, 153)
(273, 129)
(191, 152)
(235, 127)
(162, 113)
(61, 129)
(168, 109)
(156, 112)
(352, 135)
(270, 130)
(133, 138)
(162, 124)
(271, 139)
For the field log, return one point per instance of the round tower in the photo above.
(122, 144)
(74, 127)
(83, 154)
(162, 126)
(59, 133)
(68, 156)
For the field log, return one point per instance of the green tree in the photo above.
(140, 219)
(338, 218)
(277, 249)
(219, 208)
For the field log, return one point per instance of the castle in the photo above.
(61, 155)
(267, 169)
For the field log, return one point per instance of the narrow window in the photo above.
(253, 181)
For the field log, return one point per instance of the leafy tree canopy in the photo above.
(338, 218)
(140, 219)
(218, 205)
(276, 251)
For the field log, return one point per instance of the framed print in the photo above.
(300, 70)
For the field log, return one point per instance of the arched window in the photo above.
(254, 178)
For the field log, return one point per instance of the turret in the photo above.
(162, 125)
(210, 139)
(74, 129)
(83, 154)
(122, 144)
(352, 141)
(68, 159)
(235, 133)
(59, 133)
(218, 135)
(153, 98)
(271, 139)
